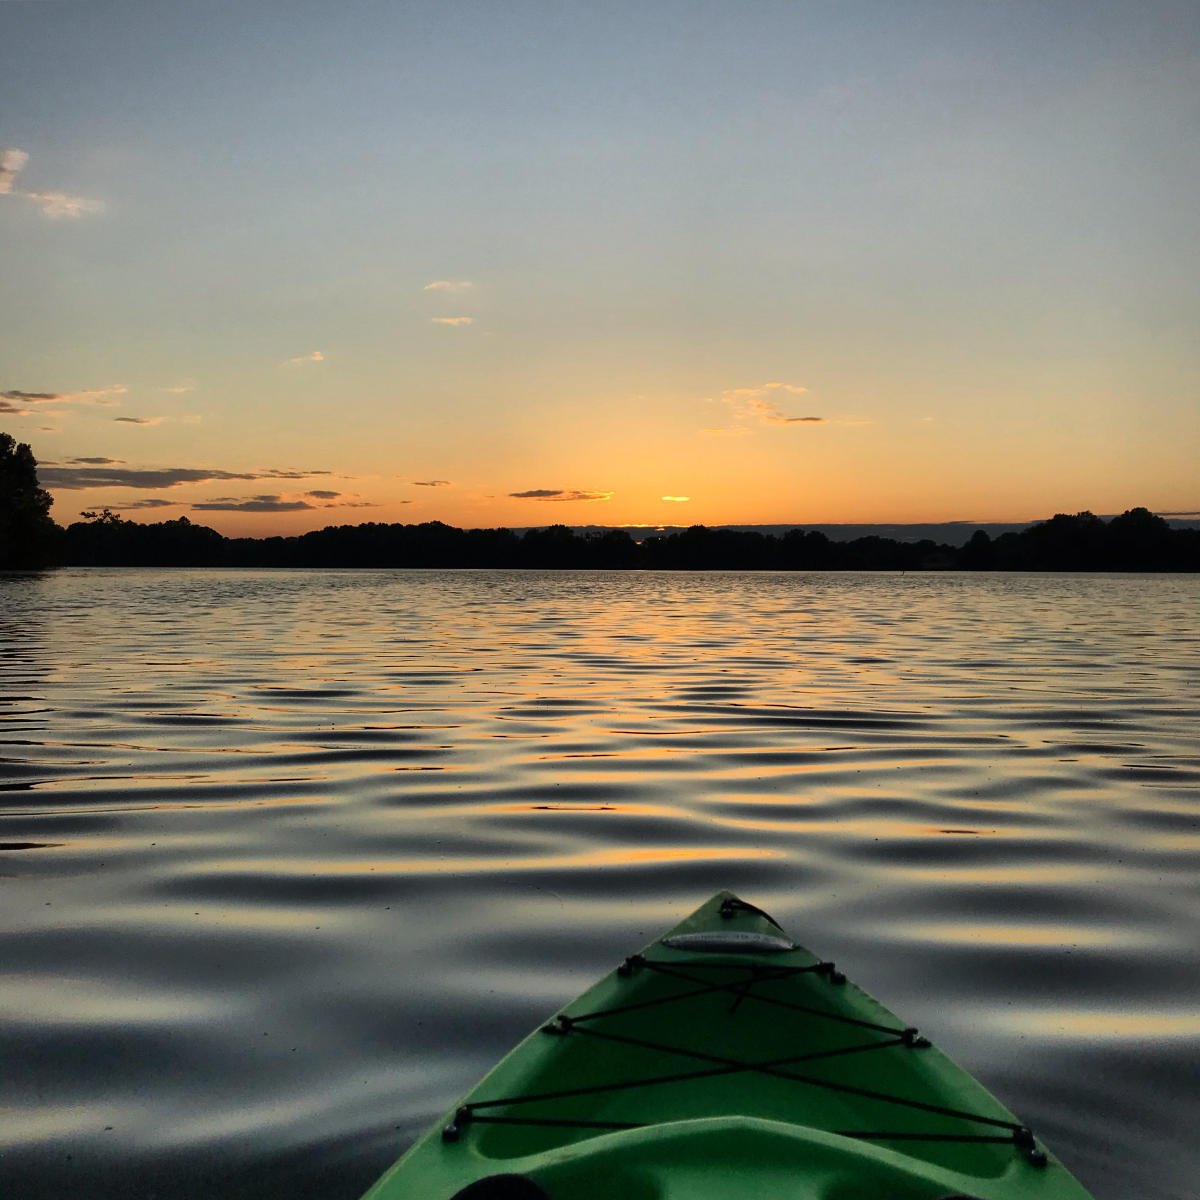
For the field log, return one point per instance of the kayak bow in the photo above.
(725, 1061)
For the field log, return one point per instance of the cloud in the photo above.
(315, 357)
(453, 320)
(85, 473)
(678, 499)
(140, 420)
(102, 476)
(432, 483)
(759, 402)
(88, 396)
(560, 494)
(59, 204)
(274, 502)
(138, 505)
(13, 410)
(448, 285)
(11, 162)
(52, 204)
(258, 504)
(188, 385)
(289, 473)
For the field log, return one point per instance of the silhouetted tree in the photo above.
(106, 538)
(978, 554)
(1139, 541)
(28, 537)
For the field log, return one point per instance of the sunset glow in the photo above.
(532, 264)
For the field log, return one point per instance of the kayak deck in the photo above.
(726, 1061)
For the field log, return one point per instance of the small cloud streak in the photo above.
(142, 505)
(677, 499)
(300, 360)
(277, 473)
(11, 163)
(104, 476)
(453, 320)
(273, 502)
(560, 494)
(448, 285)
(140, 420)
(256, 504)
(432, 483)
(52, 204)
(89, 396)
(760, 402)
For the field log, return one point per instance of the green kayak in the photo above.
(725, 1061)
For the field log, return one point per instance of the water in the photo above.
(288, 859)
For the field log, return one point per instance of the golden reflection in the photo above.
(1015, 935)
(979, 875)
(1093, 1025)
(624, 807)
(266, 868)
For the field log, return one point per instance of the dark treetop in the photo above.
(28, 537)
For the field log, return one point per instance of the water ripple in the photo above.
(289, 859)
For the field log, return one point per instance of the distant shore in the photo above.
(1137, 540)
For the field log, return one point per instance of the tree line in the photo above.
(1137, 540)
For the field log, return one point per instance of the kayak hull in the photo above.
(725, 1061)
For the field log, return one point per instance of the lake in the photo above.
(288, 859)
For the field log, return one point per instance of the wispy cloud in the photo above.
(275, 502)
(103, 476)
(141, 505)
(677, 499)
(432, 483)
(140, 420)
(300, 360)
(12, 161)
(103, 473)
(95, 462)
(52, 204)
(560, 494)
(453, 320)
(257, 504)
(449, 285)
(290, 473)
(89, 396)
(188, 385)
(762, 403)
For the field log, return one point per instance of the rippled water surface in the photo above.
(288, 859)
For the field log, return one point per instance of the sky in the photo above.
(279, 266)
